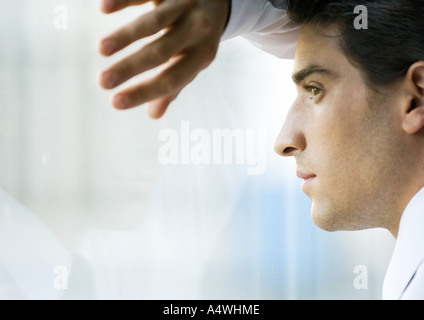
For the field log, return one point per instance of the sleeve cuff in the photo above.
(243, 17)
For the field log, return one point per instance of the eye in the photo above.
(314, 91)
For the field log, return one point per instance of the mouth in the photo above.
(307, 178)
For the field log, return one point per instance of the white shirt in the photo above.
(405, 275)
(263, 25)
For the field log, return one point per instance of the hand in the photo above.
(189, 44)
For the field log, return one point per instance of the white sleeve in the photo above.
(263, 25)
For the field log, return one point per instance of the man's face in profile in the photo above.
(346, 139)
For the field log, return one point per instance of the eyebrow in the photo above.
(301, 75)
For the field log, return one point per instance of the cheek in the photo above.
(333, 144)
(340, 128)
(354, 167)
(339, 147)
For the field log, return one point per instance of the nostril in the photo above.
(288, 151)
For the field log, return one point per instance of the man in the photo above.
(356, 127)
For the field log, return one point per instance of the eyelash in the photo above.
(309, 89)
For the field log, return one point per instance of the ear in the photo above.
(413, 120)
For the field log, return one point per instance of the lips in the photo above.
(307, 178)
(304, 175)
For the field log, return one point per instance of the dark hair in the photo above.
(385, 51)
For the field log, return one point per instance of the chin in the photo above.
(339, 220)
(323, 224)
(328, 220)
(320, 219)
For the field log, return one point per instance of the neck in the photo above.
(395, 222)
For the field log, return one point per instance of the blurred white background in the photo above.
(153, 231)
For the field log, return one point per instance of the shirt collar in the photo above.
(409, 250)
(29, 251)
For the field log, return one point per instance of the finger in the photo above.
(168, 82)
(148, 24)
(157, 108)
(153, 55)
(110, 6)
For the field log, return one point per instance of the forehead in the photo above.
(319, 46)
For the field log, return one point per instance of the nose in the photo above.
(291, 139)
